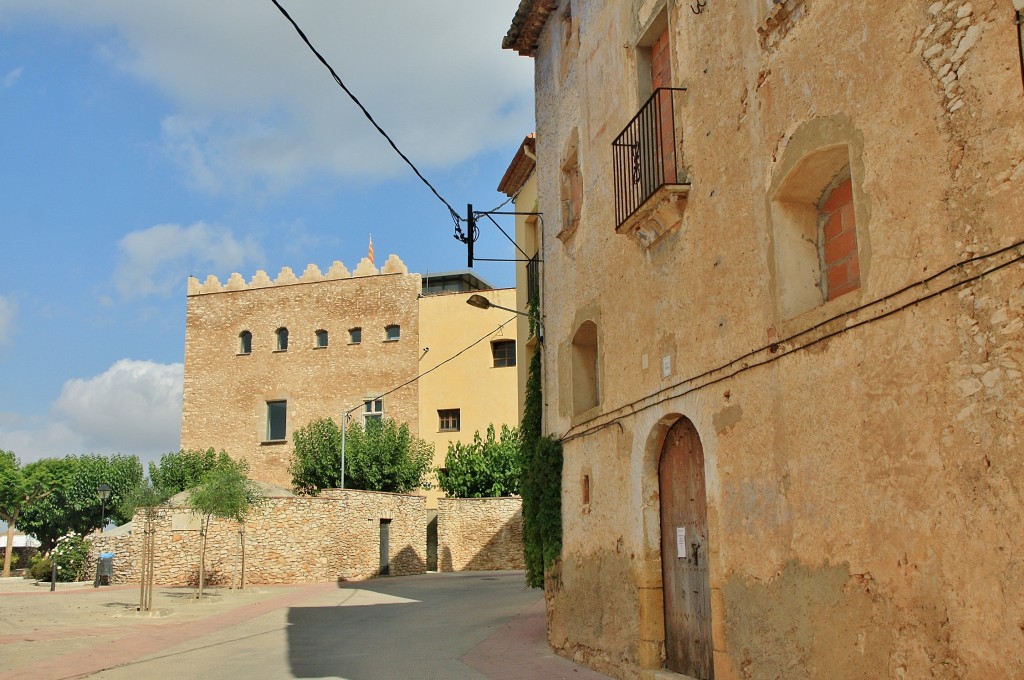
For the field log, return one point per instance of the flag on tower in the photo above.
(371, 248)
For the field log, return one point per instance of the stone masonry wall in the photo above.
(479, 534)
(335, 536)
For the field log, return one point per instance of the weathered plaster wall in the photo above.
(225, 392)
(862, 472)
(479, 534)
(334, 536)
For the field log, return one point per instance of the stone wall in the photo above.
(479, 534)
(226, 390)
(334, 536)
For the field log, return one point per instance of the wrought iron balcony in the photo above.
(647, 155)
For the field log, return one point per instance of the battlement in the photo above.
(286, 277)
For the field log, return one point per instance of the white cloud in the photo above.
(252, 103)
(7, 311)
(157, 260)
(134, 407)
(10, 78)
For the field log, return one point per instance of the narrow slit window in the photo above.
(245, 342)
(282, 339)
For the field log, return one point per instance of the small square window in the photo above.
(449, 419)
(504, 353)
(277, 419)
(392, 333)
(321, 338)
(355, 335)
(373, 409)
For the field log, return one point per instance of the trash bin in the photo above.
(104, 569)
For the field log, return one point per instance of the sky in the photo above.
(142, 142)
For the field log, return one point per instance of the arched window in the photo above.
(282, 339)
(585, 378)
(245, 342)
(321, 338)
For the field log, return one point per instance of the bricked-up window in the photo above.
(837, 241)
(355, 335)
(585, 379)
(392, 332)
(277, 420)
(504, 353)
(449, 419)
(571, 188)
(373, 409)
(245, 342)
(321, 338)
(282, 339)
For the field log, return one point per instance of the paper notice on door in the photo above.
(681, 542)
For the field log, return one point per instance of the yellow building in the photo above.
(469, 364)
(520, 184)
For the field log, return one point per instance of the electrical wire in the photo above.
(455, 216)
(669, 392)
(431, 370)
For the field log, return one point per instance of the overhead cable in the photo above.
(337, 79)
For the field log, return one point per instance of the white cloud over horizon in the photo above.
(252, 105)
(134, 407)
(157, 260)
(11, 77)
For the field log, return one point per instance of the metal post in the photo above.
(470, 234)
(53, 573)
(344, 428)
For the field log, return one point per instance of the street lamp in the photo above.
(480, 302)
(104, 492)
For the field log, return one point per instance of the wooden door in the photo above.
(684, 550)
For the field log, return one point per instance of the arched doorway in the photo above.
(684, 553)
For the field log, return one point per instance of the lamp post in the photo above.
(104, 493)
(480, 302)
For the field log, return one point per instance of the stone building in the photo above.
(265, 357)
(783, 306)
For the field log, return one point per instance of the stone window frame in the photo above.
(373, 409)
(271, 430)
(820, 154)
(449, 419)
(321, 339)
(503, 353)
(245, 343)
(570, 193)
(281, 335)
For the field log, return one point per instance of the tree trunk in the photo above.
(241, 537)
(10, 546)
(202, 555)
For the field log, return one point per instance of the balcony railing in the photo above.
(647, 155)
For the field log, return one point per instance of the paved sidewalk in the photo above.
(477, 625)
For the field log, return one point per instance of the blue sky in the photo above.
(143, 142)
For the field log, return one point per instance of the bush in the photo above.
(70, 554)
(39, 567)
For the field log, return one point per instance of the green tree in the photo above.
(382, 456)
(485, 468)
(73, 504)
(18, 489)
(181, 470)
(225, 492)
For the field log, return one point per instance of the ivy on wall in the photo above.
(541, 485)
